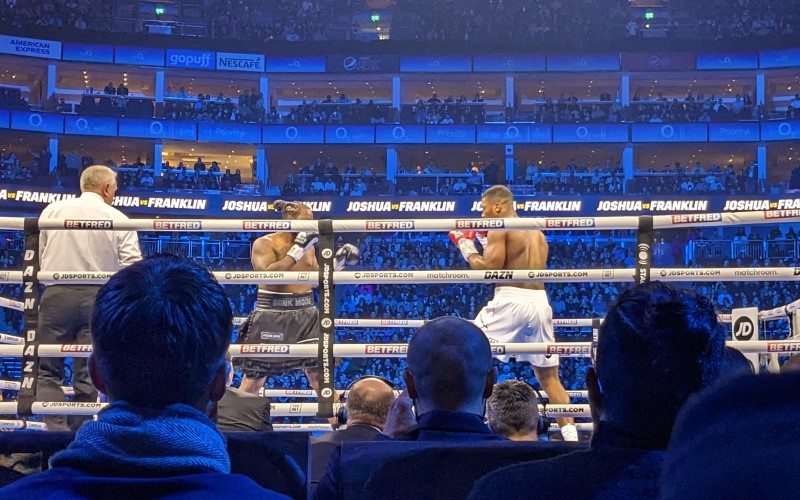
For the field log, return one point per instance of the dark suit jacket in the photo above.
(239, 411)
(355, 432)
(324, 446)
(437, 425)
(612, 468)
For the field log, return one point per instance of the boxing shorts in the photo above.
(517, 315)
(279, 318)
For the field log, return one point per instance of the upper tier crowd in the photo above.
(429, 178)
(475, 21)
(249, 107)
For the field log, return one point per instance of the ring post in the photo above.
(327, 301)
(30, 283)
(644, 249)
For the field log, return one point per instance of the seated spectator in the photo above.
(449, 377)
(658, 345)
(110, 89)
(155, 439)
(367, 407)
(240, 411)
(122, 90)
(513, 411)
(716, 452)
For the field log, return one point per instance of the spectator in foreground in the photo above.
(449, 377)
(739, 439)
(240, 411)
(367, 407)
(513, 411)
(657, 346)
(155, 439)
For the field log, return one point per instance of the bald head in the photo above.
(449, 366)
(368, 402)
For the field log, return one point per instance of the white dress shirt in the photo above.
(79, 250)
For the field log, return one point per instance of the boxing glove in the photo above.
(303, 242)
(348, 255)
(463, 240)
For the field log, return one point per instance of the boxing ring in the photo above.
(29, 349)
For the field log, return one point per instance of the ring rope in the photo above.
(276, 409)
(446, 276)
(567, 349)
(11, 304)
(310, 393)
(409, 225)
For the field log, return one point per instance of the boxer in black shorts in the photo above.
(285, 314)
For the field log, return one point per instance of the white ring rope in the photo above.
(408, 225)
(310, 393)
(11, 304)
(13, 385)
(6, 338)
(41, 426)
(276, 409)
(567, 349)
(21, 424)
(445, 276)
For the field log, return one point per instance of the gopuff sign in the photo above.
(180, 58)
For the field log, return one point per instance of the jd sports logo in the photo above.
(743, 329)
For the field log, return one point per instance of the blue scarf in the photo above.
(138, 442)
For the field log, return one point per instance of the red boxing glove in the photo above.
(456, 236)
(463, 240)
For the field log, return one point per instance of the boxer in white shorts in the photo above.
(519, 312)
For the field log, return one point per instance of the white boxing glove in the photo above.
(303, 242)
(348, 255)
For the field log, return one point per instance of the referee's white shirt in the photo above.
(78, 250)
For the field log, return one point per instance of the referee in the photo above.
(66, 310)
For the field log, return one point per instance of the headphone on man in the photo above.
(543, 424)
(341, 414)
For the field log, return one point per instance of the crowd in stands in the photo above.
(474, 21)
(451, 110)
(743, 19)
(70, 14)
(11, 98)
(198, 178)
(516, 21)
(277, 20)
(679, 179)
(248, 107)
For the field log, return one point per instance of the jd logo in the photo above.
(743, 329)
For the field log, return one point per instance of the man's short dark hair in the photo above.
(449, 358)
(499, 193)
(512, 408)
(160, 330)
(657, 345)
